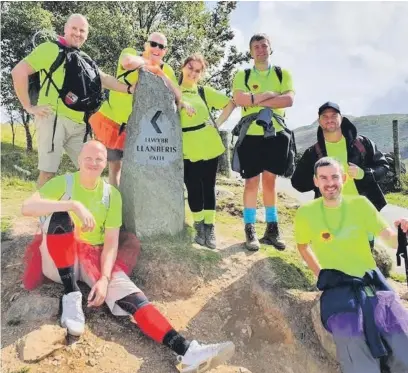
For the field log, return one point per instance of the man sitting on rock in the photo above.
(81, 240)
(365, 316)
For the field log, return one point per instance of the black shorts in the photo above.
(258, 154)
(114, 154)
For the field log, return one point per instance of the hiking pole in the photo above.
(402, 250)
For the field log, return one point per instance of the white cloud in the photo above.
(349, 52)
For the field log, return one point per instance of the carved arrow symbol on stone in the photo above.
(154, 121)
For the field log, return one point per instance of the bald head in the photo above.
(76, 17)
(76, 30)
(92, 159)
(93, 146)
(158, 37)
(155, 48)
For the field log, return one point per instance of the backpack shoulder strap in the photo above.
(106, 194)
(124, 75)
(201, 93)
(54, 66)
(246, 79)
(318, 150)
(358, 143)
(60, 58)
(278, 71)
(69, 179)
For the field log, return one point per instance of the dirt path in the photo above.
(271, 328)
(221, 309)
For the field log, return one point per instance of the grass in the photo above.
(290, 270)
(398, 277)
(22, 370)
(400, 198)
(17, 156)
(17, 185)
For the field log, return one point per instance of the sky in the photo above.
(352, 53)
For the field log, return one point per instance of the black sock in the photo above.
(68, 279)
(176, 342)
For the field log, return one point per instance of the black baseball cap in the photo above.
(329, 105)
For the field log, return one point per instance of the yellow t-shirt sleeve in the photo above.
(54, 189)
(215, 99)
(169, 72)
(43, 56)
(302, 229)
(238, 84)
(114, 215)
(374, 221)
(287, 82)
(125, 52)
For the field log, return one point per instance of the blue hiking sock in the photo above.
(271, 214)
(249, 215)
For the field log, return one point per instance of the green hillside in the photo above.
(377, 127)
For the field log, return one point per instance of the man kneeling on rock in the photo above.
(81, 240)
(365, 316)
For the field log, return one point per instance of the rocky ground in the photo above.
(229, 295)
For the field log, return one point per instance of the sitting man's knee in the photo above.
(133, 302)
(60, 223)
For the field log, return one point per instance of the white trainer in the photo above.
(72, 316)
(200, 358)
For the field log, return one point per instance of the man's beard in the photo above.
(331, 196)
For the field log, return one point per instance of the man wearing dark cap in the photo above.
(363, 163)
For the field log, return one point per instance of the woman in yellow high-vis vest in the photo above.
(202, 145)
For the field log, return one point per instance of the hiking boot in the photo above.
(200, 232)
(252, 243)
(210, 240)
(371, 243)
(201, 358)
(72, 316)
(272, 236)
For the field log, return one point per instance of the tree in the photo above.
(20, 20)
(189, 26)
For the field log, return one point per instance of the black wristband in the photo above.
(128, 89)
(252, 98)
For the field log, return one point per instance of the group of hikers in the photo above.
(81, 214)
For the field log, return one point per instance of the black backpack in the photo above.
(277, 69)
(81, 89)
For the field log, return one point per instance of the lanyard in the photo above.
(258, 71)
(337, 230)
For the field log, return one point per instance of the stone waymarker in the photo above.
(152, 172)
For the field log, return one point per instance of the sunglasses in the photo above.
(154, 44)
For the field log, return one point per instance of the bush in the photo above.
(390, 182)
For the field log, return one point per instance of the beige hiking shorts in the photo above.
(69, 135)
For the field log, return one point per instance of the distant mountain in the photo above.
(377, 127)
